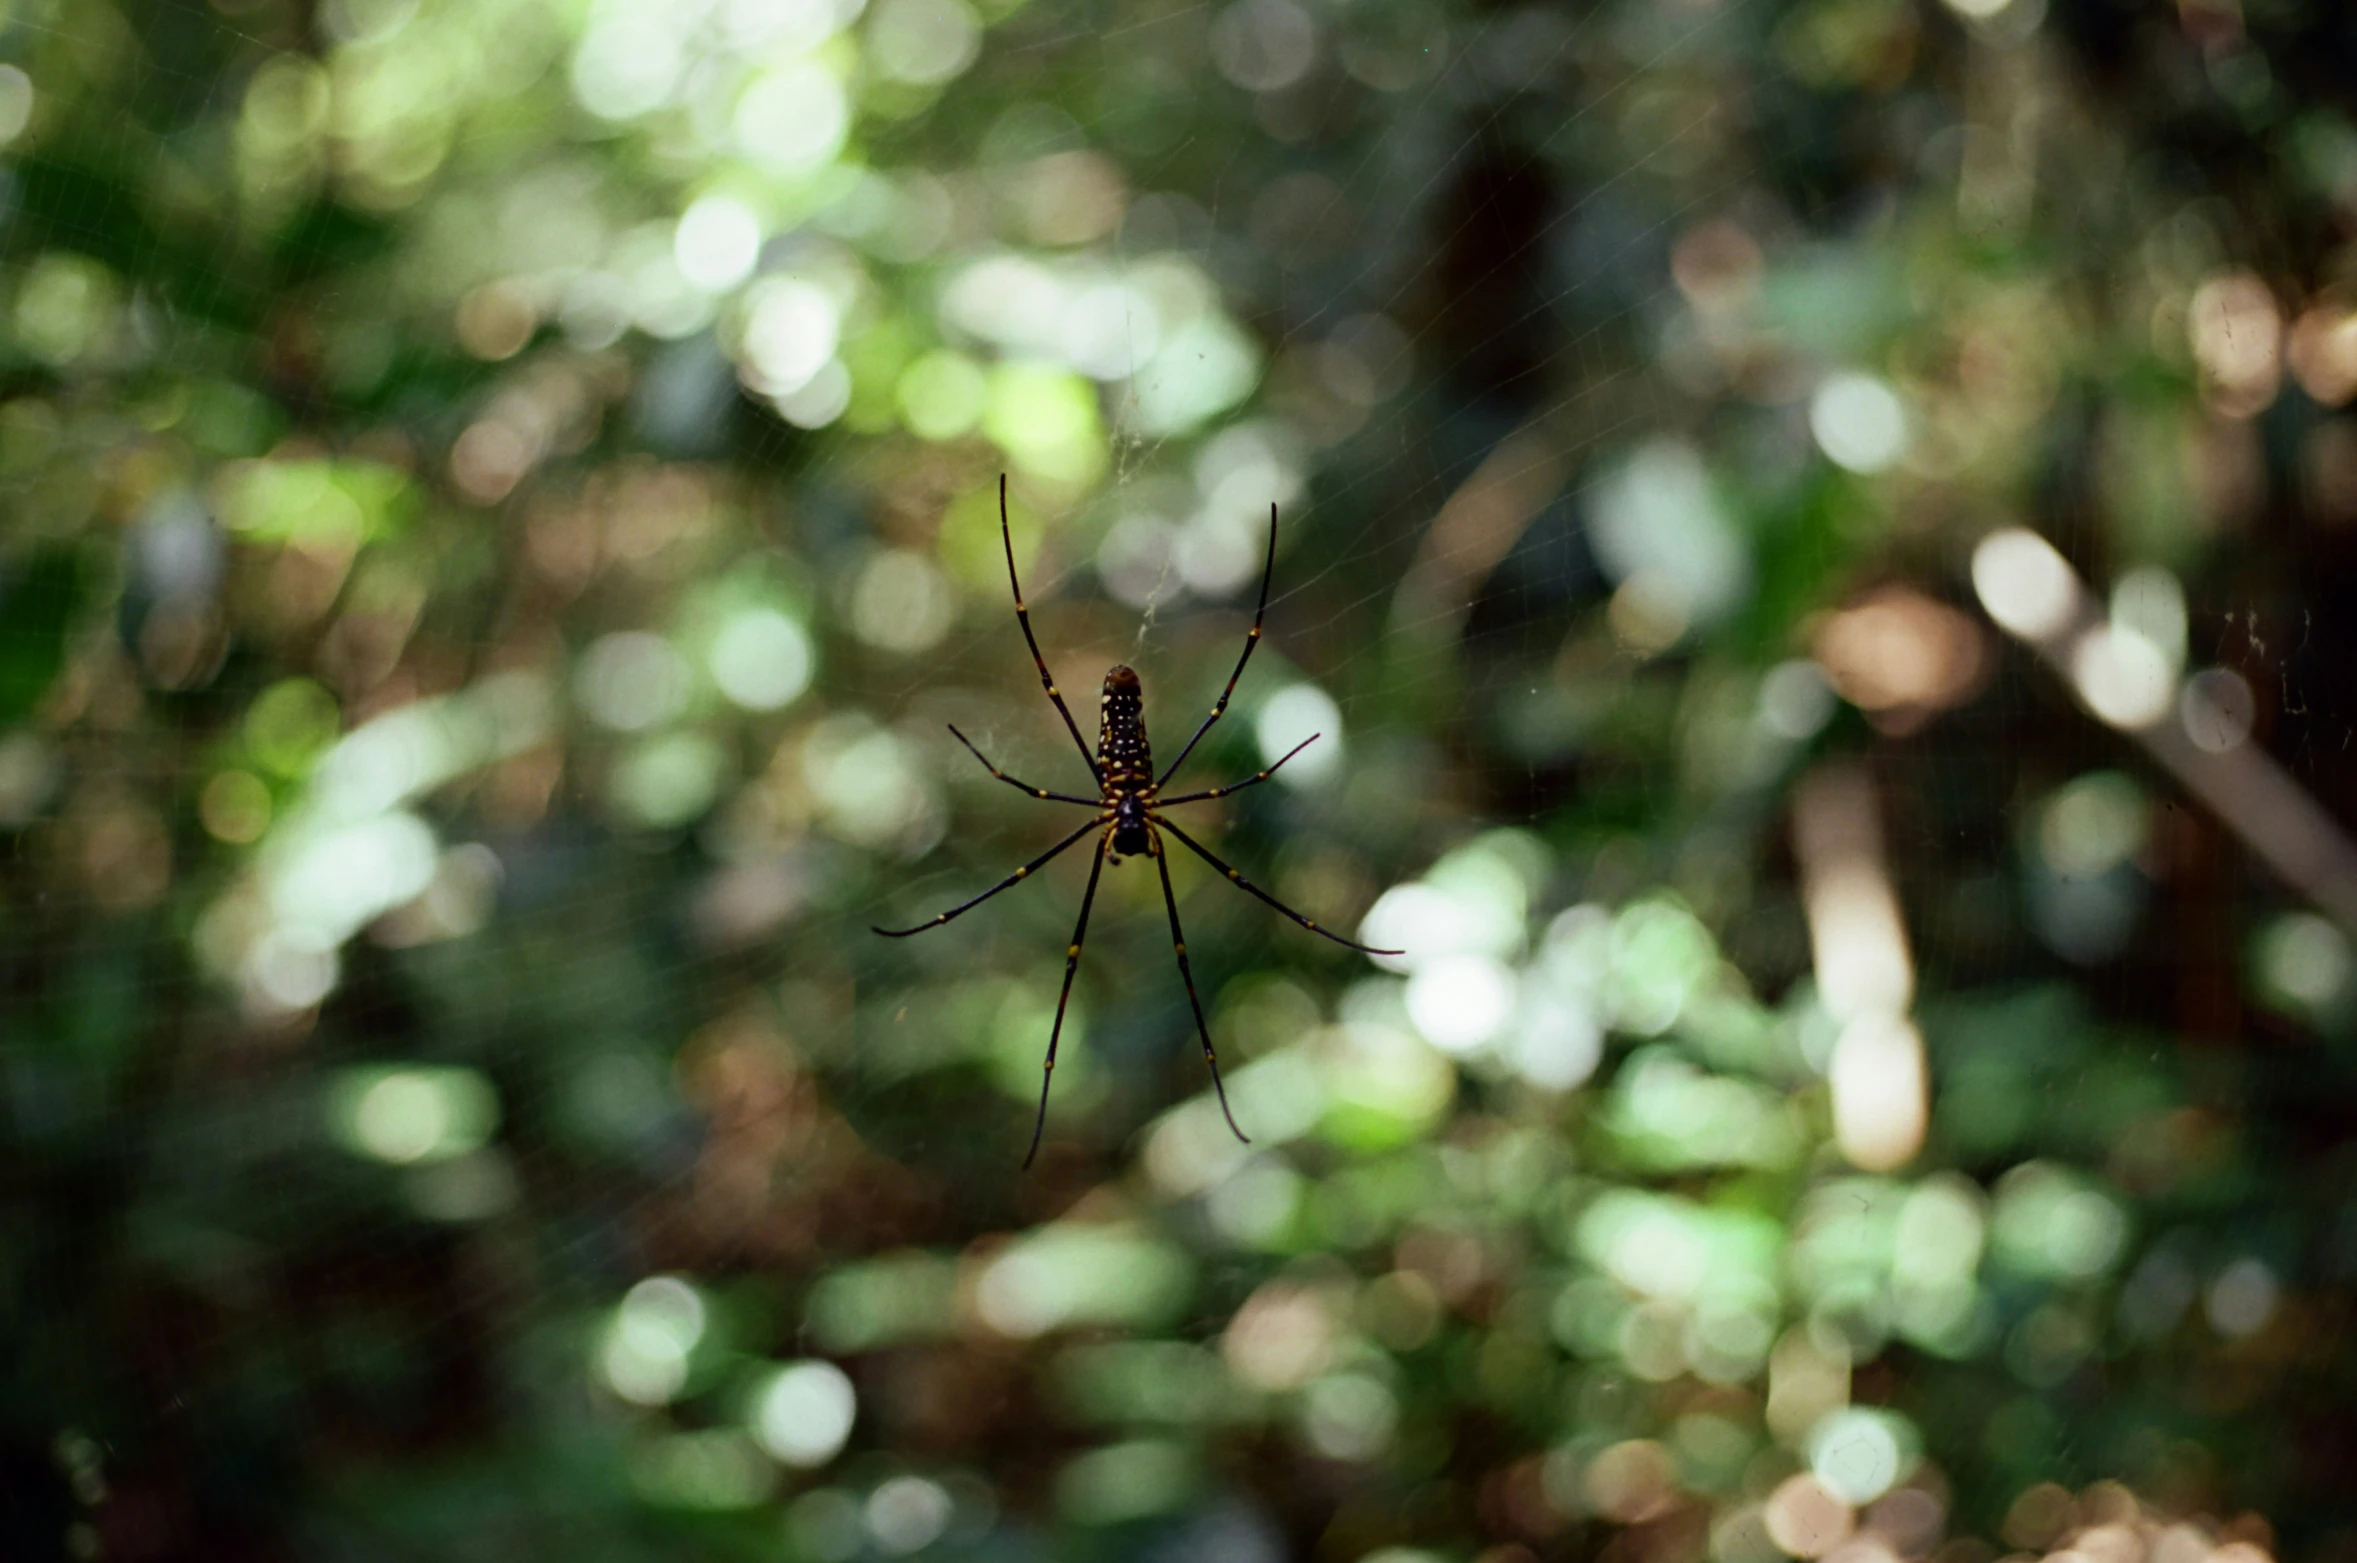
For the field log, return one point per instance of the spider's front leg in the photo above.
(1249, 781)
(1019, 786)
(1178, 944)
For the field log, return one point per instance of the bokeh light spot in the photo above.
(669, 780)
(414, 1114)
(908, 1513)
(902, 602)
(289, 723)
(16, 103)
(643, 1356)
(631, 680)
(803, 1415)
(1461, 1001)
(2124, 678)
(793, 117)
(2048, 1222)
(762, 659)
(1045, 418)
(790, 333)
(717, 243)
(1349, 1416)
(1262, 45)
(627, 66)
(941, 395)
(2236, 331)
(712, 1470)
(1859, 1454)
(2242, 1299)
(867, 783)
(235, 807)
(2304, 960)
(2217, 710)
(291, 969)
(2092, 825)
(2024, 584)
(1805, 1519)
(1558, 1043)
(1292, 715)
(1205, 366)
(1657, 517)
(923, 42)
(1126, 1481)
(1859, 422)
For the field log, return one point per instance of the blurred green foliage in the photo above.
(500, 505)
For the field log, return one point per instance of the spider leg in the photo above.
(1178, 943)
(1071, 965)
(1022, 786)
(1251, 639)
(1015, 878)
(1249, 781)
(1047, 680)
(1205, 853)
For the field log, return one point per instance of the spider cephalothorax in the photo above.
(1129, 820)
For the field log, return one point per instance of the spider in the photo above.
(1129, 821)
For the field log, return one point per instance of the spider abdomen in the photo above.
(1127, 760)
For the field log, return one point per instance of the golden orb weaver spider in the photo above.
(1129, 820)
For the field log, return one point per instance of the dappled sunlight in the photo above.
(1901, 656)
(2125, 673)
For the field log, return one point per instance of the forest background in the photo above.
(1814, 535)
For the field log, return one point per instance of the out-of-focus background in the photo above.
(1819, 536)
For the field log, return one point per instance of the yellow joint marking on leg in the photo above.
(1232, 874)
(1306, 923)
(1020, 872)
(1254, 634)
(1072, 952)
(1051, 689)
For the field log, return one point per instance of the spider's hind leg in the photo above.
(1063, 1000)
(1178, 943)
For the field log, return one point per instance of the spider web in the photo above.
(1371, 531)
